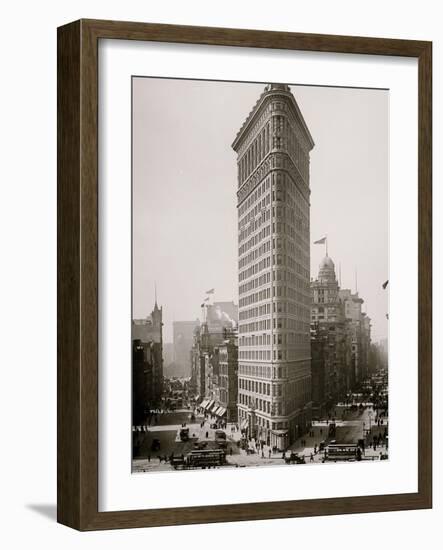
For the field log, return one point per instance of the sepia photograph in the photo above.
(260, 274)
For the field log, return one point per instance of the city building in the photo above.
(148, 334)
(141, 378)
(330, 347)
(273, 148)
(353, 314)
(146, 386)
(219, 319)
(183, 337)
(228, 376)
(168, 354)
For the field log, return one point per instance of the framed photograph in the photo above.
(244, 275)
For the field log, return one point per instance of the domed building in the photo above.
(328, 339)
(326, 306)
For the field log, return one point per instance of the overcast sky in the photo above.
(185, 183)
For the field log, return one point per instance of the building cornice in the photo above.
(263, 100)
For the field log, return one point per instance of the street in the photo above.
(352, 425)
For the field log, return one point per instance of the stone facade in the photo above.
(220, 317)
(273, 148)
(340, 339)
(147, 339)
(228, 375)
(183, 336)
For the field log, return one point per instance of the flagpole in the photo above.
(326, 242)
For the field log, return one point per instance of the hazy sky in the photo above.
(185, 183)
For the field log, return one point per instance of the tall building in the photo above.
(148, 333)
(352, 309)
(228, 377)
(147, 383)
(330, 347)
(273, 148)
(218, 317)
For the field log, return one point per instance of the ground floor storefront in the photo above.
(277, 432)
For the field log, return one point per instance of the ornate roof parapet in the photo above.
(271, 90)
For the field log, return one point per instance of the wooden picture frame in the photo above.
(77, 456)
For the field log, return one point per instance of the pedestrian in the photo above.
(311, 458)
(207, 435)
(149, 458)
(230, 451)
(269, 451)
(262, 454)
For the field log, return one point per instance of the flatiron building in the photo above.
(274, 361)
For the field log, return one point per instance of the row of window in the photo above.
(262, 249)
(259, 296)
(277, 291)
(303, 312)
(253, 241)
(255, 207)
(278, 275)
(278, 339)
(252, 199)
(277, 323)
(255, 268)
(255, 153)
(255, 283)
(277, 354)
(263, 324)
(255, 340)
(260, 404)
(262, 388)
(253, 226)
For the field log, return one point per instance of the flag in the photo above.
(320, 241)
(211, 291)
(203, 305)
(206, 299)
(384, 285)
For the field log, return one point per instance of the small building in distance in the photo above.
(183, 339)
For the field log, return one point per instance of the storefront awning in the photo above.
(204, 403)
(221, 411)
(208, 404)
